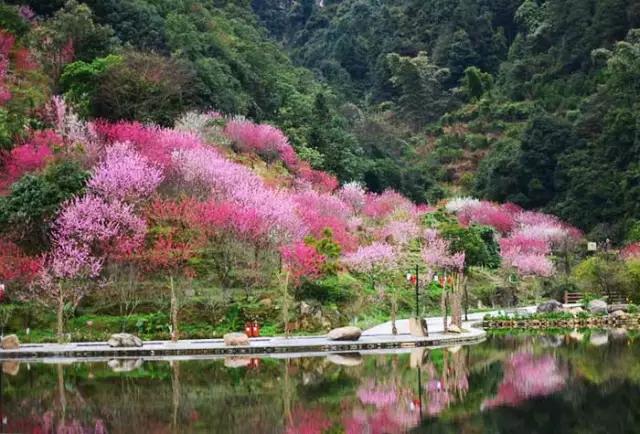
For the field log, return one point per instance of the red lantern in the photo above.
(255, 329)
(248, 329)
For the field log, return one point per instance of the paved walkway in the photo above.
(435, 324)
(376, 339)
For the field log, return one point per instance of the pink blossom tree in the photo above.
(437, 256)
(379, 262)
(124, 175)
(88, 232)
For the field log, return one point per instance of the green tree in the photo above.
(420, 86)
(35, 199)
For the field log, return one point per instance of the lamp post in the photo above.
(415, 278)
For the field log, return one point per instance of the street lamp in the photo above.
(415, 279)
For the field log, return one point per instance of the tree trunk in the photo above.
(394, 312)
(60, 315)
(456, 302)
(285, 304)
(174, 312)
(443, 307)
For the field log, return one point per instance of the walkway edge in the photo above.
(257, 347)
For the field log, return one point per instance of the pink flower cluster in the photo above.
(28, 157)
(528, 237)
(303, 261)
(631, 251)
(232, 182)
(437, 254)
(125, 175)
(155, 143)
(375, 259)
(499, 217)
(265, 140)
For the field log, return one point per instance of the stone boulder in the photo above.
(549, 306)
(236, 340)
(345, 334)
(124, 340)
(598, 307)
(10, 342)
(454, 329)
(618, 306)
(618, 314)
(575, 310)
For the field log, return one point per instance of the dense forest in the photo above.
(510, 100)
(533, 102)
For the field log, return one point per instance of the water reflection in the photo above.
(503, 385)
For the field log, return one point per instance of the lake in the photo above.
(578, 383)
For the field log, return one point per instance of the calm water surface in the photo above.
(546, 384)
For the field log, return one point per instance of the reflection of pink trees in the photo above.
(308, 421)
(394, 410)
(444, 389)
(378, 396)
(525, 377)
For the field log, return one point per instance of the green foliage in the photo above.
(80, 81)
(420, 85)
(337, 288)
(35, 199)
(11, 20)
(476, 83)
(478, 243)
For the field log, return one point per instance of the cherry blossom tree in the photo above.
(172, 241)
(88, 232)
(437, 256)
(379, 262)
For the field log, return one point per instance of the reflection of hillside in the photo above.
(505, 385)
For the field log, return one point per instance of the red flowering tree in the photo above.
(17, 268)
(173, 240)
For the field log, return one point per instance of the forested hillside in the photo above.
(533, 102)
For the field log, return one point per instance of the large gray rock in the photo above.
(549, 306)
(618, 306)
(10, 342)
(349, 333)
(236, 340)
(621, 315)
(124, 340)
(597, 306)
